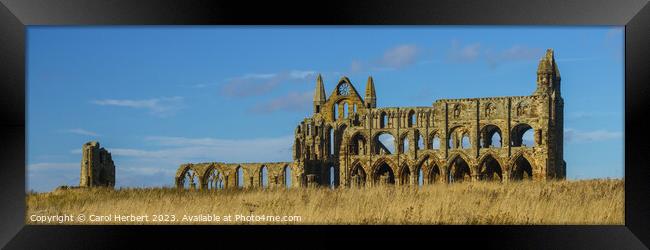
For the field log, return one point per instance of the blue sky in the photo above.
(157, 97)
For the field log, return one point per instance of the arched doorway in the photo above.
(490, 169)
(434, 174)
(357, 176)
(521, 169)
(459, 170)
(383, 175)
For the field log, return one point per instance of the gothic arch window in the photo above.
(264, 177)
(405, 144)
(435, 142)
(420, 142)
(384, 143)
(215, 180)
(345, 110)
(490, 136)
(522, 135)
(411, 119)
(287, 176)
(240, 177)
(335, 111)
(465, 141)
(383, 120)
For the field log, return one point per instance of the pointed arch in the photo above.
(521, 168)
(458, 169)
(517, 135)
(357, 175)
(490, 136)
(286, 174)
(404, 175)
(264, 176)
(383, 172)
(489, 168)
(411, 119)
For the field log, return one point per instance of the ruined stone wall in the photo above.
(219, 175)
(97, 166)
(453, 140)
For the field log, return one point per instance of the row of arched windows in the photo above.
(489, 137)
(216, 180)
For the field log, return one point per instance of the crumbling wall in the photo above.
(97, 166)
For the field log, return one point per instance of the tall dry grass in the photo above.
(562, 202)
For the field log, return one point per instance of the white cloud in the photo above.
(399, 56)
(258, 84)
(467, 53)
(293, 101)
(80, 131)
(54, 166)
(577, 136)
(184, 149)
(162, 106)
(393, 58)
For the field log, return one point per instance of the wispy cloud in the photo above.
(577, 136)
(54, 166)
(184, 149)
(463, 53)
(293, 101)
(514, 53)
(258, 84)
(580, 115)
(400, 56)
(393, 58)
(80, 131)
(163, 106)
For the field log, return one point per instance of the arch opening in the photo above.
(404, 175)
(346, 112)
(459, 170)
(384, 143)
(287, 176)
(521, 170)
(240, 177)
(522, 135)
(214, 180)
(384, 175)
(434, 174)
(264, 177)
(358, 176)
(411, 119)
(189, 179)
(490, 136)
(490, 170)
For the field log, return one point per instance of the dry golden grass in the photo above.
(563, 202)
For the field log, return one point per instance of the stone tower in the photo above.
(97, 167)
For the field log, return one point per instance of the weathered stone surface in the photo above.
(97, 167)
(450, 141)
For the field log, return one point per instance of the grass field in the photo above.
(563, 202)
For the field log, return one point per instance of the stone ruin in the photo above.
(453, 140)
(97, 167)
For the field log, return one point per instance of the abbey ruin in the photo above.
(97, 167)
(351, 142)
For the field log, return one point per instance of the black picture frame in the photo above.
(16, 15)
